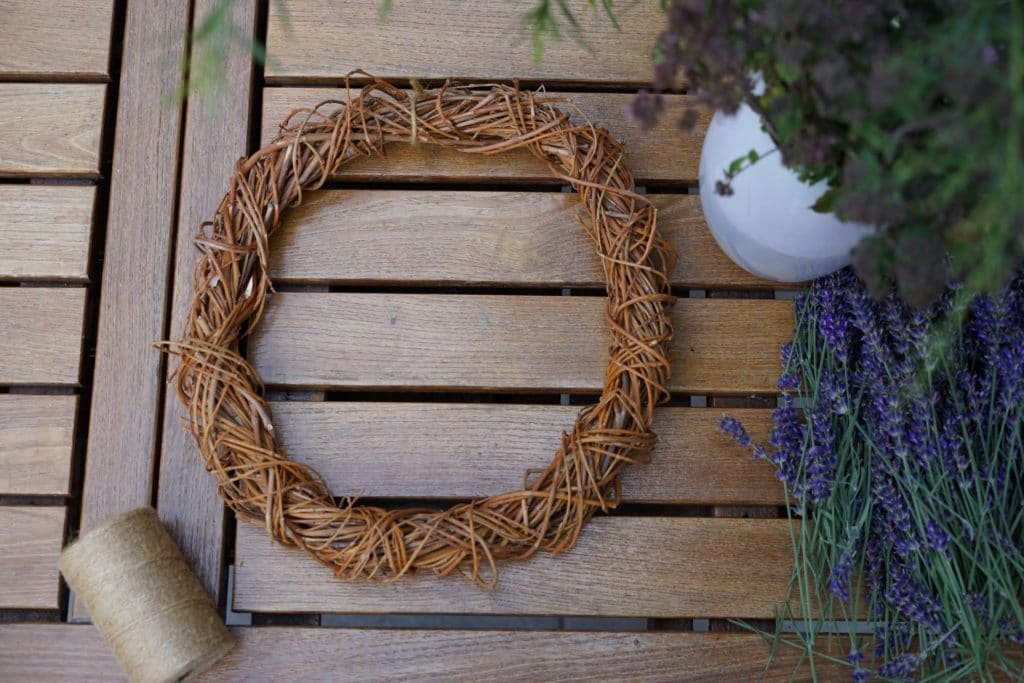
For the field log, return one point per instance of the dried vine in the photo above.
(231, 421)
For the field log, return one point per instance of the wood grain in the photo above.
(71, 42)
(36, 438)
(128, 373)
(30, 541)
(457, 450)
(472, 39)
(621, 566)
(60, 652)
(663, 155)
(485, 342)
(45, 232)
(50, 128)
(486, 238)
(215, 137)
(40, 335)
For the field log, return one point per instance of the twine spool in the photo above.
(144, 599)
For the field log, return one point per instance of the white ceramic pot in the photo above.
(767, 226)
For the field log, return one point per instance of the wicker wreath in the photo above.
(223, 393)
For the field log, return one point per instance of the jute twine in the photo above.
(144, 599)
(231, 421)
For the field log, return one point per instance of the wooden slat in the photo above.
(36, 437)
(215, 137)
(492, 238)
(663, 155)
(475, 39)
(621, 566)
(61, 652)
(431, 450)
(537, 343)
(69, 42)
(40, 335)
(50, 129)
(45, 232)
(30, 541)
(127, 380)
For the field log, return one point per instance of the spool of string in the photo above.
(144, 599)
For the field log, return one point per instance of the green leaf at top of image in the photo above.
(826, 203)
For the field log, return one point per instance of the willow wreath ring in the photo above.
(223, 394)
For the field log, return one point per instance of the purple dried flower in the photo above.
(839, 584)
(913, 601)
(1009, 630)
(860, 675)
(832, 312)
(900, 668)
(833, 393)
(788, 381)
(787, 441)
(895, 523)
(645, 108)
(820, 459)
(891, 638)
(935, 537)
(733, 428)
(977, 603)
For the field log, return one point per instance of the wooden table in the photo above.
(105, 176)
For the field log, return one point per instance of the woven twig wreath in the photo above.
(224, 395)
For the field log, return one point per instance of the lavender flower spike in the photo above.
(733, 428)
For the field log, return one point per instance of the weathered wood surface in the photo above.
(36, 438)
(388, 237)
(472, 39)
(50, 128)
(30, 541)
(664, 155)
(486, 342)
(621, 566)
(459, 450)
(41, 335)
(59, 652)
(69, 41)
(45, 232)
(128, 374)
(215, 137)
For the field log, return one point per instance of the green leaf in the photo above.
(827, 202)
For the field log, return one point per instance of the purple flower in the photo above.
(832, 314)
(860, 675)
(833, 393)
(733, 428)
(900, 668)
(820, 459)
(788, 381)
(787, 441)
(913, 600)
(936, 538)
(977, 603)
(891, 638)
(839, 583)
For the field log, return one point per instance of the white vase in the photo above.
(767, 226)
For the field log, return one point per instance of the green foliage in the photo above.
(552, 19)
(912, 112)
(212, 41)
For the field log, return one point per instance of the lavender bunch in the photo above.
(909, 484)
